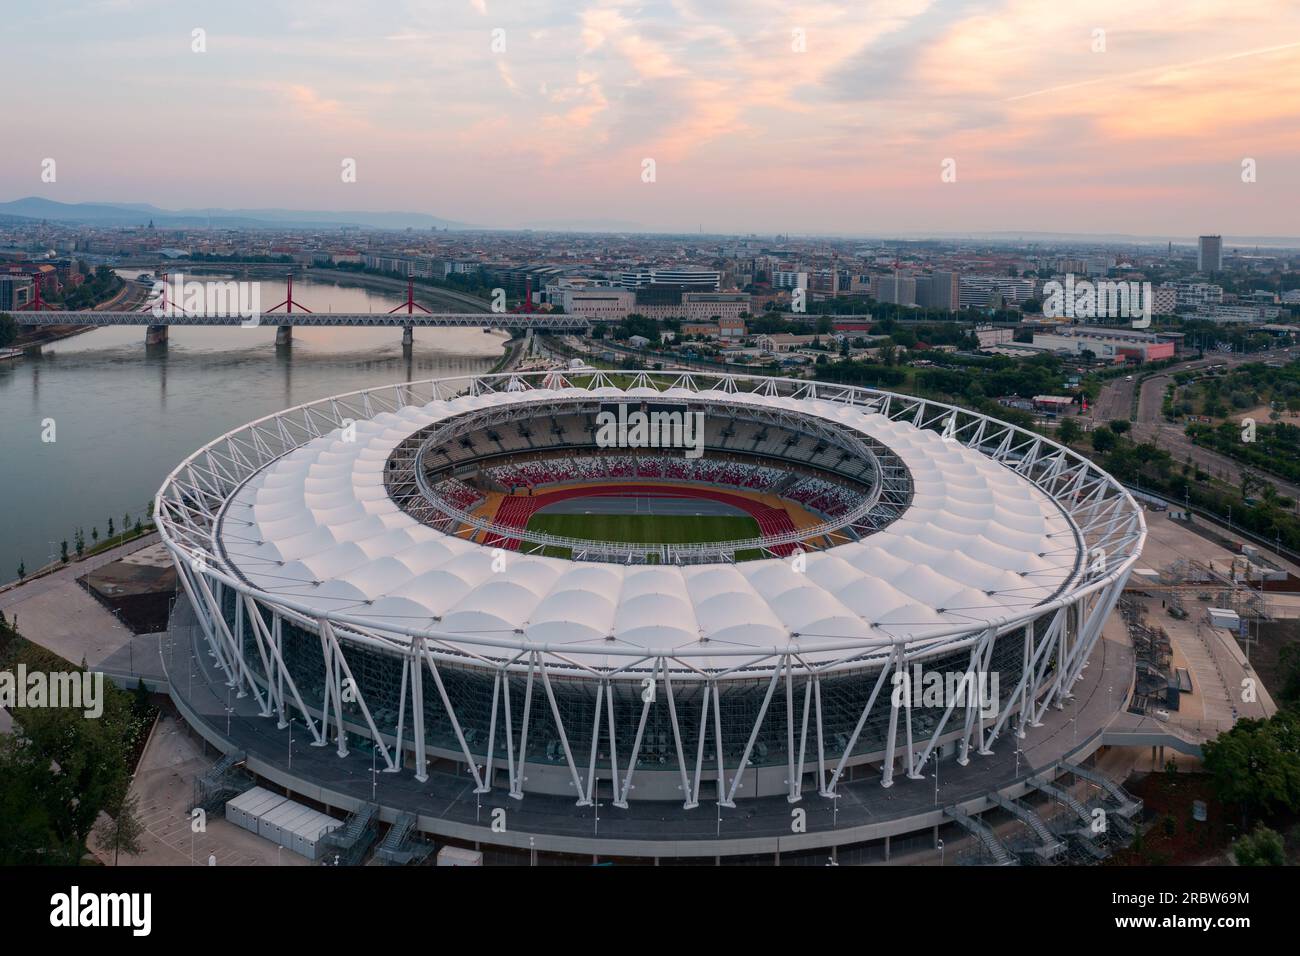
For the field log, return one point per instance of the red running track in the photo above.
(515, 511)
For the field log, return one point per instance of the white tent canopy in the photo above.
(978, 540)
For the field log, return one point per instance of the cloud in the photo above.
(738, 120)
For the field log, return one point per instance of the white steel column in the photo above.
(688, 802)
(417, 709)
(885, 669)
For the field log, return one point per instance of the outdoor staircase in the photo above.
(1051, 846)
(1079, 810)
(397, 848)
(1129, 806)
(349, 843)
(1001, 856)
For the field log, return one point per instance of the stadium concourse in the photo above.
(371, 569)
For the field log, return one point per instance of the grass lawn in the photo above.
(647, 529)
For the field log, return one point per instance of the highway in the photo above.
(1116, 401)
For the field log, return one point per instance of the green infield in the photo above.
(647, 529)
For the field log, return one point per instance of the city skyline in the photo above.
(1051, 126)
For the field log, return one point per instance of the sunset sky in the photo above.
(747, 134)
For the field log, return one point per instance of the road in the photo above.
(1116, 401)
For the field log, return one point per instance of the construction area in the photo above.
(1194, 623)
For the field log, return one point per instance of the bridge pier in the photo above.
(283, 336)
(155, 335)
(408, 337)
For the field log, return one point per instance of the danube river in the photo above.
(123, 417)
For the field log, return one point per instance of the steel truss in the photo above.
(1056, 636)
(543, 321)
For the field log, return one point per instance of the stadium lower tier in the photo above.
(820, 494)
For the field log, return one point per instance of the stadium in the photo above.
(653, 590)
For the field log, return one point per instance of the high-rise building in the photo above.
(15, 292)
(938, 290)
(979, 292)
(1209, 254)
(896, 289)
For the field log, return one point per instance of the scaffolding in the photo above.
(1152, 653)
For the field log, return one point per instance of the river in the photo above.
(123, 417)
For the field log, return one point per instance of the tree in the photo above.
(141, 705)
(1288, 660)
(120, 831)
(1249, 480)
(22, 570)
(63, 552)
(8, 329)
(1120, 425)
(60, 773)
(1263, 847)
(1257, 763)
(1103, 439)
(1068, 431)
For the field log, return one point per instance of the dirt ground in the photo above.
(1273, 636)
(1175, 838)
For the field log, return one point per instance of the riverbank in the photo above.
(130, 295)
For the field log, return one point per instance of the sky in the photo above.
(1106, 116)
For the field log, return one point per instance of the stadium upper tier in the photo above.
(1000, 524)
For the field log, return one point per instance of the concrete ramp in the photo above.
(1135, 730)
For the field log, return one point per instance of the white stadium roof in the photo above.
(979, 544)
